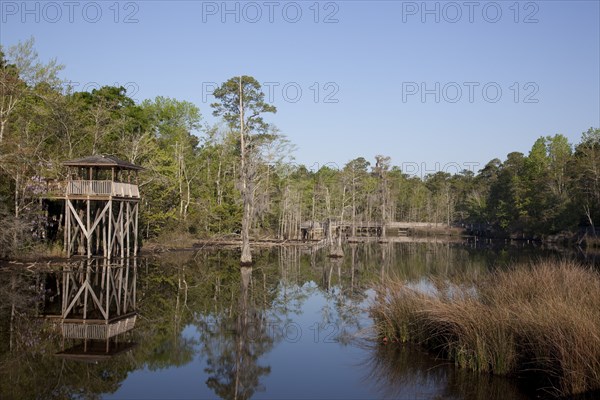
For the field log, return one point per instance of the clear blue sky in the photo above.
(369, 71)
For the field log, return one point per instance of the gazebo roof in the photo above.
(102, 161)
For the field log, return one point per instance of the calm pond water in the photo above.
(194, 325)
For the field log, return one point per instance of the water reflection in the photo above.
(57, 318)
(287, 327)
(97, 307)
(234, 342)
(405, 371)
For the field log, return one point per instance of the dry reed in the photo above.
(543, 317)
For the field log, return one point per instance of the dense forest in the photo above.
(193, 183)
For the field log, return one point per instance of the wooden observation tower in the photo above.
(101, 207)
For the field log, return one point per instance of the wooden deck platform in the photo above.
(96, 329)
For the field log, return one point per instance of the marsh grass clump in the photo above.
(543, 317)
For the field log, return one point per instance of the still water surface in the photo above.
(295, 325)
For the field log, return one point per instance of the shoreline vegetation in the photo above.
(173, 241)
(540, 320)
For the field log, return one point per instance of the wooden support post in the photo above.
(126, 291)
(87, 226)
(121, 228)
(119, 289)
(104, 248)
(67, 227)
(135, 231)
(110, 227)
(107, 288)
(128, 227)
(97, 237)
(81, 239)
(65, 293)
(86, 291)
(117, 224)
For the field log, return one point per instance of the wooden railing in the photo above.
(102, 188)
(99, 330)
(125, 190)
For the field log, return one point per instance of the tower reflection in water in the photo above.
(92, 304)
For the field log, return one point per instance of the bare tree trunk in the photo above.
(17, 213)
(17, 188)
(353, 209)
(588, 214)
(313, 205)
(13, 311)
(179, 177)
(246, 257)
(334, 250)
(218, 182)
(337, 250)
(187, 200)
(6, 108)
(242, 325)
(298, 214)
(2, 125)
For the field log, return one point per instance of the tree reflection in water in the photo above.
(233, 344)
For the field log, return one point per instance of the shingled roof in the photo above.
(102, 162)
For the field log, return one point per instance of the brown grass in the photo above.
(592, 242)
(171, 240)
(543, 318)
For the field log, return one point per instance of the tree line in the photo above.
(239, 175)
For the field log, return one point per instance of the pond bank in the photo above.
(188, 243)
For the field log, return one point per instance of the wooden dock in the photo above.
(318, 230)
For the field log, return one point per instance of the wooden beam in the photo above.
(77, 219)
(97, 301)
(110, 227)
(128, 227)
(126, 292)
(104, 236)
(88, 231)
(135, 229)
(99, 217)
(65, 293)
(121, 233)
(68, 227)
(72, 303)
(86, 291)
(107, 287)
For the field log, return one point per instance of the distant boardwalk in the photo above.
(316, 230)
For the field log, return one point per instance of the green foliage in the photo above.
(230, 94)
